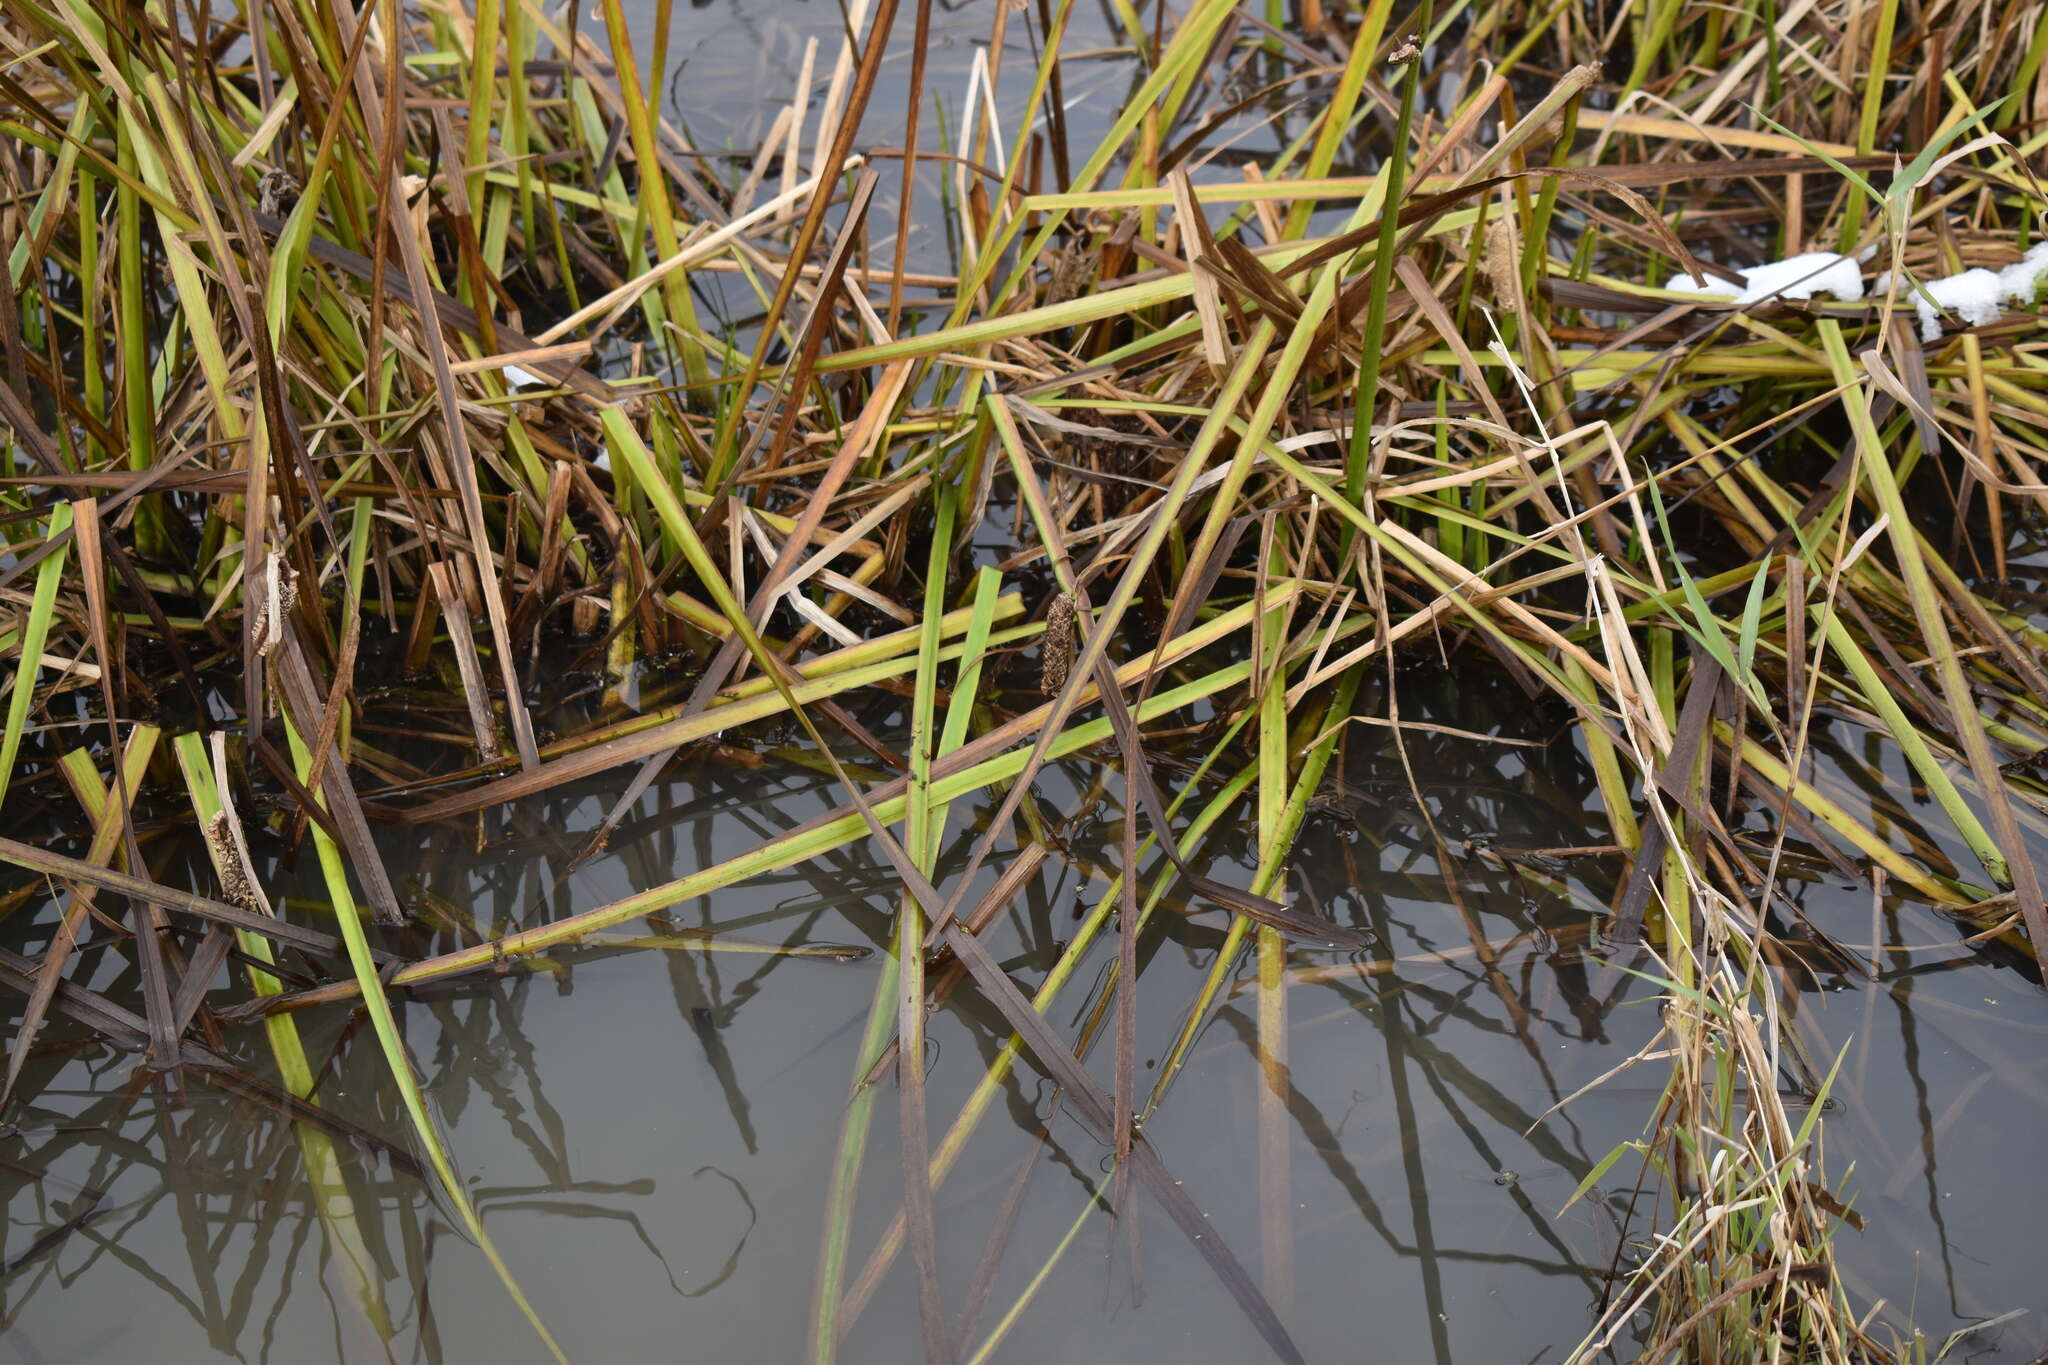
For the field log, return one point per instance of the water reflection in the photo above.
(648, 1125)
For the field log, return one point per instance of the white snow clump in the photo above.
(1795, 277)
(1976, 296)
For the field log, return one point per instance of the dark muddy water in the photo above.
(650, 1133)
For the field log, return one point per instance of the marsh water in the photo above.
(650, 1133)
(650, 1130)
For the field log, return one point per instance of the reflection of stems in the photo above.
(1276, 1174)
(386, 1026)
(1276, 1223)
(1009, 1319)
(331, 1199)
(1394, 1033)
(337, 1211)
(1272, 863)
(846, 1161)
(1283, 819)
(925, 810)
(992, 1080)
(732, 1261)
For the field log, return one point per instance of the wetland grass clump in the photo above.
(348, 345)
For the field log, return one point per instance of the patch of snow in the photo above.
(2019, 280)
(1976, 296)
(1682, 283)
(518, 377)
(1795, 277)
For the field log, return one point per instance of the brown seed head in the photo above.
(234, 878)
(1058, 648)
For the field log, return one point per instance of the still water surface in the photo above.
(650, 1133)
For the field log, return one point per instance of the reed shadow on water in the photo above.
(652, 1127)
